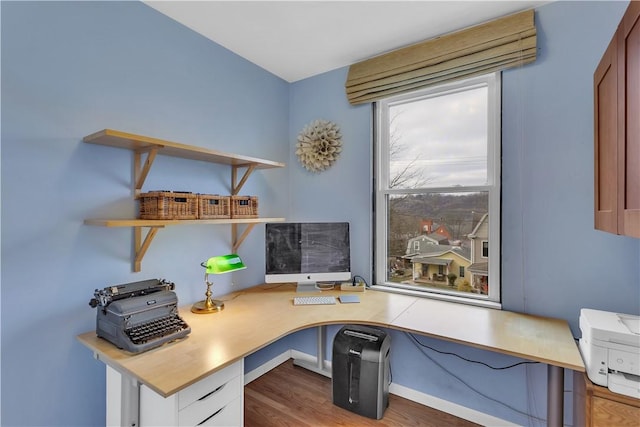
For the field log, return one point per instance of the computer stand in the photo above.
(318, 367)
(306, 287)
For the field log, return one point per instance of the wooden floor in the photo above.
(292, 396)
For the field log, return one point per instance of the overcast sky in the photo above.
(445, 136)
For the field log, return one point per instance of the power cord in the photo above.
(497, 368)
(354, 281)
(420, 346)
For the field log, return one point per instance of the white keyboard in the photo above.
(314, 300)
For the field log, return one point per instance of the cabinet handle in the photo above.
(211, 416)
(206, 396)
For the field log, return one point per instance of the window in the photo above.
(437, 172)
(485, 249)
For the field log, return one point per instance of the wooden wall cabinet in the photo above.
(617, 130)
(596, 406)
(146, 148)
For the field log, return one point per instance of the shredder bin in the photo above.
(360, 370)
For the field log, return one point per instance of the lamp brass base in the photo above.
(207, 306)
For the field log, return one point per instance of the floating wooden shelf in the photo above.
(164, 222)
(141, 145)
(152, 146)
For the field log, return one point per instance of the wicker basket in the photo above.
(213, 206)
(244, 207)
(168, 205)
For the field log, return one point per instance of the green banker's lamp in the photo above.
(216, 265)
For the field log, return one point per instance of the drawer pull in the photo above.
(206, 396)
(211, 416)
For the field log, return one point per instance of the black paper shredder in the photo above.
(360, 370)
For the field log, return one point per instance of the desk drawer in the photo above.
(214, 405)
(229, 415)
(199, 403)
(208, 385)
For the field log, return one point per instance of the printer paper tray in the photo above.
(626, 384)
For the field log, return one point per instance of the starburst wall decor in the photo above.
(319, 145)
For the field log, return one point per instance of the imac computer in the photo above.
(307, 253)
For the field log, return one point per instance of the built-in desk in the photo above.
(256, 317)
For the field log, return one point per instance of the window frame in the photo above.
(493, 187)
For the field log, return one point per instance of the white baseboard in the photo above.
(448, 407)
(279, 360)
(295, 354)
(401, 391)
(266, 367)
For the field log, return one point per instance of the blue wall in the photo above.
(72, 68)
(554, 262)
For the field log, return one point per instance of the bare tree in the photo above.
(411, 174)
(402, 225)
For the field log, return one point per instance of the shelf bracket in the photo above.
(235, 185)
(141, 246)
(236, 242)
(140, 172)
(151, 147)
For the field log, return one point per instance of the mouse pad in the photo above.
(349, 298)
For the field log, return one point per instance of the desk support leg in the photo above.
(123, 395)
(317, 367)
(555, 396)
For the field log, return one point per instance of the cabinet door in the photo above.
(606, 140)
(607, 412)
(629, 139)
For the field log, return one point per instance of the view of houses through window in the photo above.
(439, 248)
(438, 189)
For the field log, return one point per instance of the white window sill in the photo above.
(438, 296)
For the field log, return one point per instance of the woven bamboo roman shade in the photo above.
(497, 45)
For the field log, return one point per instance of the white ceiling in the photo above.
(299, 39)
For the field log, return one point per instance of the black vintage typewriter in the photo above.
(139, 316)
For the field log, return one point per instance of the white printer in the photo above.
(610, 347)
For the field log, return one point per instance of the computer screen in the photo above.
(307, 253)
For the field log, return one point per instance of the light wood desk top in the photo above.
(256, 317)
